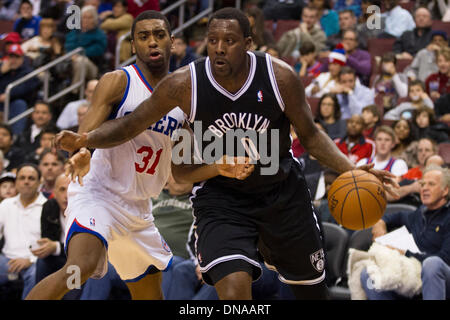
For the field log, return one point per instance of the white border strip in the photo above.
(273, 81)
(244, 88)
(229, 258)
(193, 92)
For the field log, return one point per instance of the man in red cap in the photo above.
(13, 68)
(9, 39)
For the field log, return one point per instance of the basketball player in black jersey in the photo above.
(236, 220)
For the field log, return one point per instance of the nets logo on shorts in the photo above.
(318, 260)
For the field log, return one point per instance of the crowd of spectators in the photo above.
(377, 83)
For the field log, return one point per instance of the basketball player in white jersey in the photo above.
(109, 217)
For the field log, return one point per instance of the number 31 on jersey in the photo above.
(145, 165)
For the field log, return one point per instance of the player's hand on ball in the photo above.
(70, 141)
(388, 179)
(78, 165)
(235, 167)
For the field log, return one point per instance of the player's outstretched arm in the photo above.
(172, 91)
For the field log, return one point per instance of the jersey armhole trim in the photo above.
(193, 92)
(273, 81)
(113, 114)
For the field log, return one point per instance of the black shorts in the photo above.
(233, 230)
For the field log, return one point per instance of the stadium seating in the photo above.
(377, 47)
(444, 151)
(314, 104)
(284, 26)
(336, 239)
(441, 25)
(399, 207)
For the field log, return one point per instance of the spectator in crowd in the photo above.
(27, 25)
(7, 186)
(51, 165)
(425, 121)
(408, 192)
(352, 95)
(9, 9)
(406, 143)
(260, 36)
(283, 10)
(383, 159)
(357, 59)
(411, 41)
(397, 19)
(329, 116)
(354, 145)
(34, 46)
(50, 252)
(68, 117)
(117, 23)
(137, 6)
(41, 116)
(20, 226)
(307, 64)
(327, 80)
(354, 5)
(92, 39)
(417, 96)
(439, 8)
(308, 26)
(442, 108)
(439, 83)
(426, 147)
(182, 54)
(347, 21)
(11, 69)
(9, 39)
(371, 117)
(81, 113)
(388, 82)
(290, 42)
(429, 226)
(329, 19)
(46, 137)
(424, 63)
(366, 19)
(13, 156)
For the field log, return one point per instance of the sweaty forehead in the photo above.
(150, 25)
(225, 25)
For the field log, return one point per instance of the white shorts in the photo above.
(132, 242)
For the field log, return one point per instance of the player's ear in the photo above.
(133, 49)
(172, 39)
(248, 43)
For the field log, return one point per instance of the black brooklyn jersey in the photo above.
(251, 120)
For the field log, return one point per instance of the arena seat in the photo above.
(377, 47)
(444, 151)
(336, 239)
(306, 80)
(314, 104)
(441, 25)
(284, 26)
(399, 207)
(6, 26)
(402, 64)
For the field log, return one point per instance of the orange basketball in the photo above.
(356, 199)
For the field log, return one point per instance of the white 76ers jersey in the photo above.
(139, 168)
